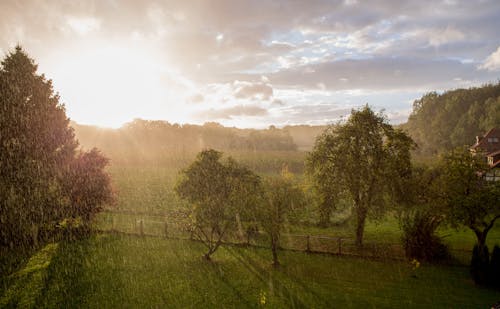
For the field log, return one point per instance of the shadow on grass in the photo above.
(267, 275)
(64, 285)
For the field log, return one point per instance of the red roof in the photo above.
(490, 142)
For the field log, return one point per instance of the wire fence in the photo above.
(144, 224)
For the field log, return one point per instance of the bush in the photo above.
(495, 266)
(419, 239)
(479, 265)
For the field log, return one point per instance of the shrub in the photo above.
(419, 239)
(479, 265)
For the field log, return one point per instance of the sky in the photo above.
(252, 63)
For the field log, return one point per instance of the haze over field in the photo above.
(252, 63)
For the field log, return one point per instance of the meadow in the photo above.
(148, 189)
(117, 271)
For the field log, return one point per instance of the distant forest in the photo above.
(438, 122)
(143, 140)
(441, 122)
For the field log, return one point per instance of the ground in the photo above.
(116, 271)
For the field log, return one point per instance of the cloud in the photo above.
(254, 91)
(492, 63)
(232, 112)
(83, 25)
(197, 98)
(441, 37)
(380, 74)
(221, 49)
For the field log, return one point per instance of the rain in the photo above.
(249, 154)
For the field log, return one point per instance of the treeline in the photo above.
(145, 140)
(441, 122)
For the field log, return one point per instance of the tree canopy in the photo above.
(364, 160)
(442, 122)
(218, 191)
(37, 147)
(470, 199)
(280, 197)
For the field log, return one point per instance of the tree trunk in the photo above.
(206, 257)
(481, 239)
(274, 249)
(324, 215)
(360, 225)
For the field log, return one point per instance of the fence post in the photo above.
(340, 245)
(166, 229)
(113, 224)
(308, 244)
(141, 227)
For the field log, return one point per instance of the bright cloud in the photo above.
(492, 63)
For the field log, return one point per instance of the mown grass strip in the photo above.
(29, 281)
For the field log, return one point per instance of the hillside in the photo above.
(440, 122)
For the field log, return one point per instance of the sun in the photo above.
(108, 85)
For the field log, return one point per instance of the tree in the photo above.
(37, 158)
(363, 161)
(36, 143)
(280, 197)
(218, 192)
(470, 200)
(87, 186)
(420, 217)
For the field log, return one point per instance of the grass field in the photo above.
(149, 189)
(119, 271)
(113, 271)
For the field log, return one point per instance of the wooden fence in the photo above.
(159, 225)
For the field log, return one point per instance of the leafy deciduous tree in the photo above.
(280, 197)
(218, 191)
(471, 200)
(362, 160)
(87, 185)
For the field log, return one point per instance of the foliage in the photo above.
(35, 145)
(37, 157)
(470, 200)
(152, 141)
(87, 185)
(420, 216)
(363, 160)
(479, 265)
(281, 197)
(442, 122)
(419, 236)
(218, 191)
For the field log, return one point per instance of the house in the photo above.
(488, 147)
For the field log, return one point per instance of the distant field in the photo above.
(109, 271)
(149, 189)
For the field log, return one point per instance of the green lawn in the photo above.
(113, 271)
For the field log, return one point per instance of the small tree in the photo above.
(419, 215)
(362, 161)
(470, 200)
(280, 197)
(218, 191)
(87, 186)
